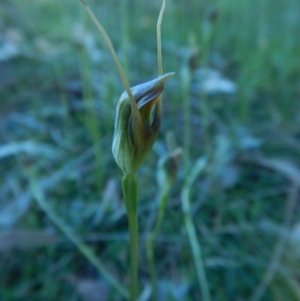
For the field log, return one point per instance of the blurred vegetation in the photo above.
(234, 100)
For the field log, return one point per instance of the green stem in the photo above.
(151, 238)
(190, 228)
(130, 192)
(83, 248)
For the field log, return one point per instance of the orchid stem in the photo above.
(130, 192)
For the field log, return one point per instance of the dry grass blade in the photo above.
(114, 56)
(159, 56)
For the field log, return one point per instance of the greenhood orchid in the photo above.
(137, 123)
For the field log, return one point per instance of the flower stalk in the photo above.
(130, 193)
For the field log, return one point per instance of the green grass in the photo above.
(59, 95)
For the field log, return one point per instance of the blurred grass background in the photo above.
(234, 100)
